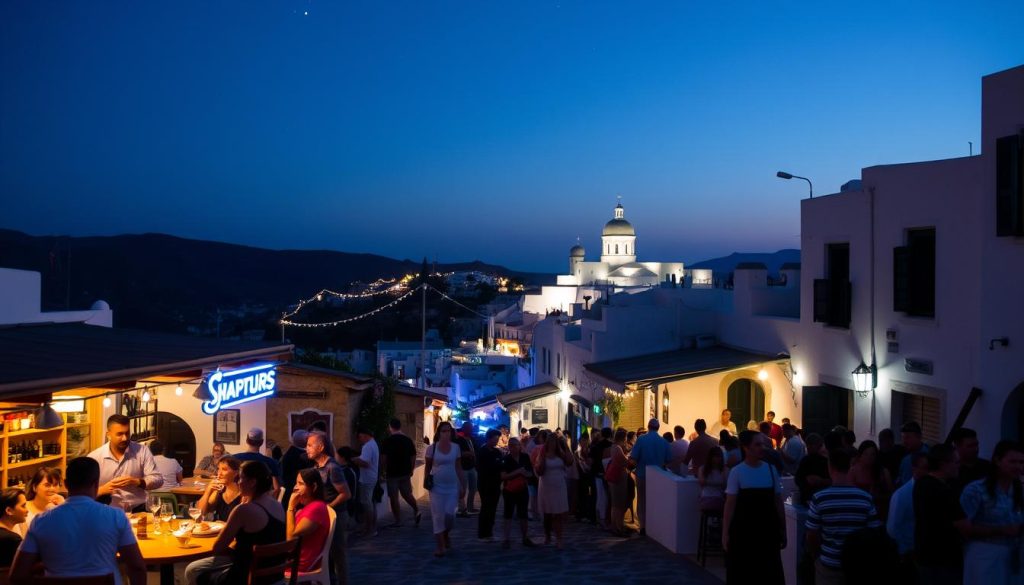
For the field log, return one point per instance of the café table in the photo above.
(164, 551)
(191, 487)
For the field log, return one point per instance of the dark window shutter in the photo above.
(821, 300)
(844, 296)
(1009, 186)
(901, 278)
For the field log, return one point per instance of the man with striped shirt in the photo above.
(835, 513)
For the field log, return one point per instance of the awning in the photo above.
(673, 365)
(45, 358)
(584, 402)
(506, 399)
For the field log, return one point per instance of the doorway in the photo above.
(1013, 414)
(745, 398)
(178, 439)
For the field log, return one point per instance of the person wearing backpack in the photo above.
(516, 471)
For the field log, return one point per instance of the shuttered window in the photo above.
(913, 278)
(1010, 186)
(925, 411)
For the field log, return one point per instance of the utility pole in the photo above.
(423, 336)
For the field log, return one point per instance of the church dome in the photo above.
(618, 226)
(577, 251)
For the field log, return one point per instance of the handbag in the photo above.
(613, 472)
(515, 485)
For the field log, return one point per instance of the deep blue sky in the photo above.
(498, 130)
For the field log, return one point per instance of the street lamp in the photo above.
(787, 176)
(865, 378)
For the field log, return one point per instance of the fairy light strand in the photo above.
(286, 318)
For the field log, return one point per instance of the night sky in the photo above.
(492, 130)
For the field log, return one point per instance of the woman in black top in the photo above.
(261, 520)
(222, 494)
(13, 505)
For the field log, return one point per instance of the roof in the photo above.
(360, 381)
(43, 358)
(674, 365)
(506, 399)
(414, 391)
(618, 227)
(408, 345)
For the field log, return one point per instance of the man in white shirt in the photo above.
(169, 468)
(677, 451)
(127, 468)
(368, 463)
(724, 424)
(81, 537)
(900, 524)
(793, 449)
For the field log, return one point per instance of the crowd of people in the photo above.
(261, 496)
(889, 511)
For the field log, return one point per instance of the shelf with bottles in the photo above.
(28, 432)
(36, 461)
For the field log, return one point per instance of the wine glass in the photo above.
(167, 514)
(154, 505)
(194, 512)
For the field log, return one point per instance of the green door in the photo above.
(746, 401)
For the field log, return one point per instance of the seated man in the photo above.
(208, 465)
(168, 468)
(81, 537)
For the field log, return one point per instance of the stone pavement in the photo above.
(404, 555)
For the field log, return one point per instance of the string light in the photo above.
(106, 402)
(286, 318)
(145, 395)
(178, 390)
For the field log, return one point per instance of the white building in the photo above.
(21, 303)
(918, 270)
(617, 270)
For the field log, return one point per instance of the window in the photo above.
(832, 294)
(914, 274)
(1010, 186)
(616, 248)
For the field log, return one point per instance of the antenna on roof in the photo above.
(970, 147)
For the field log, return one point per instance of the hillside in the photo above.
(724, 266)
(163, 282)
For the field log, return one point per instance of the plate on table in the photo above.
(213, 529)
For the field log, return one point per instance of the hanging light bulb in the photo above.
(762, 375)
(145, 395)
(178, 390)
(106, 402)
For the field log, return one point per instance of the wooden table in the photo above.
(164, 550)
(189, 488)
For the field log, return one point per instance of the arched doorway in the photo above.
(178, 439)
(1013, 414)
(745, 398)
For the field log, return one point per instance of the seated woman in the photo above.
(712, 478)
(12, 515)
(222, 494)
(260, 520)
(42, 493)
(307, 518)
(208, 465)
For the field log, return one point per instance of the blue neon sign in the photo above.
(240, 386)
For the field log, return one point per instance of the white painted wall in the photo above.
(20, 302)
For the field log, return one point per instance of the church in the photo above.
(618, 265)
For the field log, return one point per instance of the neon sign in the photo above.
(239, 386)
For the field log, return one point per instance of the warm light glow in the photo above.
(178, 390)
(63, 405)
(798, 378)
(106, 402)
(762, 375)
(145, 395)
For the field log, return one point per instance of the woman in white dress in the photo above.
(444, 479)
(552, 494)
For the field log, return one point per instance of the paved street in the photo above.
(404, 555)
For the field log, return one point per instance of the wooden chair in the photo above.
(322, 574)
(98, 580)
(272, 560)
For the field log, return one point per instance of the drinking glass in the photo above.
(194, 512)
(167, 514)
(154, 504)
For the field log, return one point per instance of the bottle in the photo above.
(143, 519)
